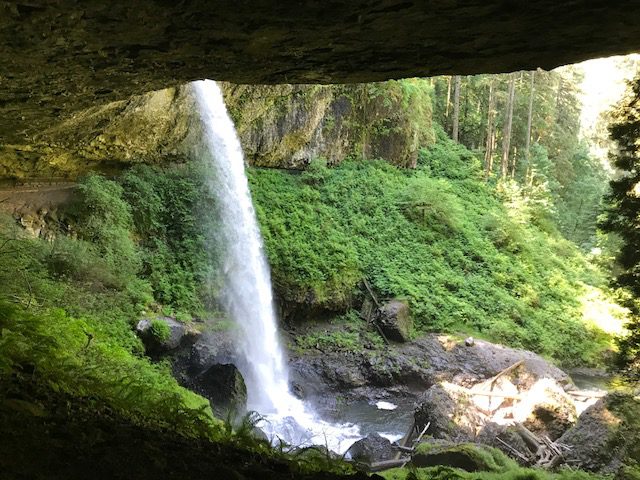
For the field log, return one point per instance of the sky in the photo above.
(603, 86)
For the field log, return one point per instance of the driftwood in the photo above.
(548, 454)
(577, 393)
(493, 379)
(472, 392)
(406, 439)
(424, 430)
(515, 452)
(375, 300)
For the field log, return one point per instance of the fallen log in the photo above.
(521, 456)
(387, 464)
(405, 440)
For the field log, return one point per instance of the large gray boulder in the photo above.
(224, 387)
(371, 449)
(211, 348)
(466, 456)
(447, 415)
(394, 318)
(153, 343)
(605, 438)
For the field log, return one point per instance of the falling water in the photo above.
(247, 292)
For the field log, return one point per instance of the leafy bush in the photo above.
(159, 330)
(103, 218)
(70, 355)
(172, 216)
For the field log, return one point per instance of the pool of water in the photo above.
(592, 382)
(390, 418)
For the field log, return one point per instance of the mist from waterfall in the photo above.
(247, 292)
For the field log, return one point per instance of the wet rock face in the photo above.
(157, 127)
(59, 57)
(287, 126)
(408, 369)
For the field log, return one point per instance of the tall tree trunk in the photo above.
(506, 133)
(527, 144)
(488, 149)
(446, 112)
(456, 107)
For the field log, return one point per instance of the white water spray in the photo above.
(247, 292)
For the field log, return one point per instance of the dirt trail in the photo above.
(34, 197)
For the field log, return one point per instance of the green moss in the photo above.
(517, 473)
(625, 407)
(486, 458)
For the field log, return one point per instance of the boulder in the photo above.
(209, 349)
(371, 449)
(155, 345)
(449, 414)
(546, 409)
(606, 435)
(395, 320)
(224, 387)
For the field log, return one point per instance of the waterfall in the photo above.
(247, 293)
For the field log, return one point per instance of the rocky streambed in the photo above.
(437, 391)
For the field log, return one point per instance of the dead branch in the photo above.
(521, 456)
(493, 379)
(373, 296)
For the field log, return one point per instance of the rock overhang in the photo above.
(59, 57)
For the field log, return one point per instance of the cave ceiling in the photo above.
(59, 57)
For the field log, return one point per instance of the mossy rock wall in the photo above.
(287, 126)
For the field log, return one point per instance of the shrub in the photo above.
(159, 330)
(437, 236)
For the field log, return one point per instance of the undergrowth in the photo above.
(518, 473)
(439, 237)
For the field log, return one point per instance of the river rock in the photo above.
(177, 331)
(546, 409)
(371, 449)
(605, 436)
(223, 386)
(448, 414)
(395, 320)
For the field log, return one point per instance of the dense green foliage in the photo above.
(621, 217)
(88, 348)
(437, 236)
(67, 307)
